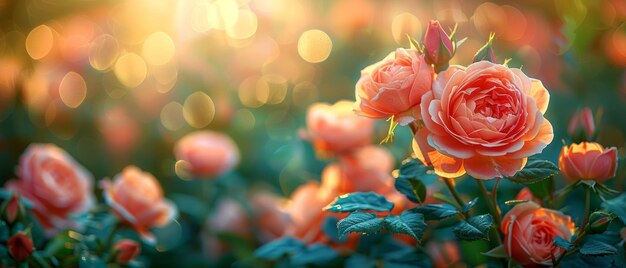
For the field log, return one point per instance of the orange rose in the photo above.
(485, 120)
(529, 231)
(57, 187)
(588, 161)
(444, 253)
(137, 199)
(367, 169)
(207, 154)
(127, 250)
(336, 129)
(394, 86)
(307, 213)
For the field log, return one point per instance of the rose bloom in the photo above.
(529, 231)
(483, 120)
(526, 194)
(20, 246)
(137, 199)
(57, 186)
(207, 154)
(394, 86)
(444, 253)
(306, 209)
(588, 161)
(270, 215)
(127, 250)
(335, 129)
(367, 169)
(228, 217)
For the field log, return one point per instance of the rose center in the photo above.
(542, 237)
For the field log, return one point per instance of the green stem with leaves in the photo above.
(495, 234)
(583, 227)
(450, 184)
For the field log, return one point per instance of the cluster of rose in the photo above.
(481, 122)
(51, 217)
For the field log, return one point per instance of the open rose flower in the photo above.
(57, 186)
(137, 199)
(335, 129)
(588, 161)
(306, 209)
(483, 120)
(529, 231)
(367, 169)
(206, 154)
(394, 86)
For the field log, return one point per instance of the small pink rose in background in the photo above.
(270, 215)
(364, 170)
(137, 199)
(335, 129)
(55, 184)
(582, 124)
(529, 231)
(484, 120)
(207, 154)
(526, 194)
(228, 217)
(127, 250)
(13, 208)
(394, 86)
(444, 253)
(588, 161)
(20, 246)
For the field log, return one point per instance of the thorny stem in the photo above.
(495, 233)
(453, 191)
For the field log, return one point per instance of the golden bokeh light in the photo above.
(130, 69)
(223, 14)
(172, 116)
(72, 89)
(198, 110)
(247, 92)
(405, 24)
(39, 42)
(314, 46)
(158, 49)
(245, 27)
(103, 52)
(271, 89)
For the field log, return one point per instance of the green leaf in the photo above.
(414, 168)
(63, 244)
(497, 252)
(276, 249)
(474, 228)
(436, 211)
(360, 222)
(597, 248)
(617, 206)
(361, 261)
(535, 171)
(562, 243)
(469, 205)
(316, 254)
(409, 222)
(360, 201)
(412, 188)
(330, 229)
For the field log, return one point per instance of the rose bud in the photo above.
(58, 188)
(20, 246)
(526, 194)
(137, 199)
(13, 208)
(485, 53)
(394, 87)
(599, 221)
(206, 154)
(529, 231)
(438, 45)
(127, 250)
(485, 120)
(582, 127)
(588, 161)
(335, 129)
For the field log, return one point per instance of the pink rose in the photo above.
(207, 154)
(137, 199)
(588, 161)
(582, 125)
(438, 46)
(394, 86)
(485, 120)
(335, 129)
(270, 215)
(529, 231)
(367, 169)
(20, 246)
(56, 185)
(127, 250)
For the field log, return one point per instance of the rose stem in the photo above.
(492, 210)
(581, 232)
(453, 191)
